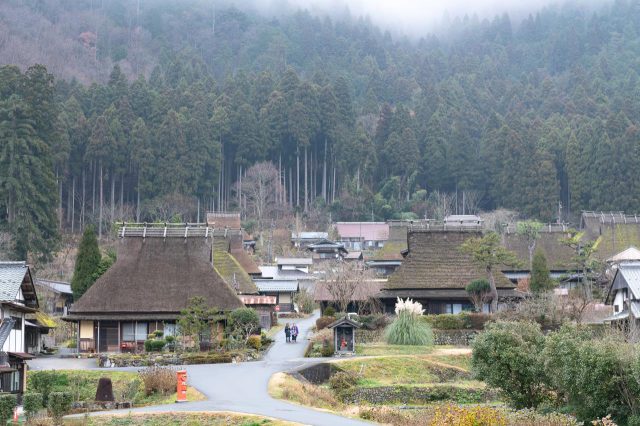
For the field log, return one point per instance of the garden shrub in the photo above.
(323, 322)
(8, 403)
(265, 340)
(594, 376)
(445, 321)
(162, 380)
(59, 405)
(475, 320)
(243, 322)
(329, 312)
(508, 356)
(32, 403)
(304, 300)
(342, 383)
(374, 322)
(44, 381)
(327, 349)
(408, 328)
(155, 345)
(254, 342)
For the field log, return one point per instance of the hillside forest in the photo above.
(149, 111)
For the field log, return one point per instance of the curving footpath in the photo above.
(243, 387)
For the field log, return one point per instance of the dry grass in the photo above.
(179, 419)
(284, 386)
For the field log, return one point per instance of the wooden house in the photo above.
(326, 250)
(624, 295)
(17, 299)
(360, 236)
(156, 273)
(435, 273)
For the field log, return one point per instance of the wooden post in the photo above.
(119, 337)
(78, 337)
(98, 339)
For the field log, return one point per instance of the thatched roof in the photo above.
(559, 256)
(227, 264)
(224, 220)
(435, 261)
(159, 276)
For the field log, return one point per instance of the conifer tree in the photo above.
(87, 263)
(540, 279)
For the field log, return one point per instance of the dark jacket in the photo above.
(287, 331)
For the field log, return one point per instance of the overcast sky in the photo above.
(417, 17)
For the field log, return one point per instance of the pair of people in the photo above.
(291, 332)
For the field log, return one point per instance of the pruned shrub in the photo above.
(59, 405)
(254, 342)
(445, 321)
(155, 345)
(508, 356)
(8, 403)
(327, 349)
(323, 322)
(44, 381)
(342, 383)
(374, 322)
(32, 403)
(407, 328)
(329, 312)
(162, 380)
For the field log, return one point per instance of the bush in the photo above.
(476, 320)
(327, 349)
(329, 312)
(162, 380)
(155, 345)
(596, 376)
(43, 382)
(445, 321)
(254, 342)
(243, 322)
(59, 405)
(8, 403)
(374, 322)
(508, 356)
(408, 329)
(32, 403)
(323, 322)
(158, 333)
(342, 383)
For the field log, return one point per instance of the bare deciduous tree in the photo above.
(440, 205)
(261, 188)
(346, 279)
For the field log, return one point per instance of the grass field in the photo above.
(127, 386)
(178, 419)
(378, 349)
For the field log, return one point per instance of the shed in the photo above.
(344, 335)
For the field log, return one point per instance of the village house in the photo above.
(624, 295)
(435, 273)
(291, 268)
(388, 259)
(17, 299)
(327, 250)
(358, 236)
(303, 239)
(55, 296)
(157, 271)
(363, 299)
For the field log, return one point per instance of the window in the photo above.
(10, 382)
(141, 331)
(169, 329)
(17, 325)
(128, 332)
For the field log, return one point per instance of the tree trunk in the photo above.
(333, 187)
(138, 198)
(73, 204)
(113, 196)
(122, 196)
(93, 195)
(298, 178)
(83, 200)
(101, 202)
(290, 187)
(306, 178)
(494, 291)
(59, 199)
(324, 173)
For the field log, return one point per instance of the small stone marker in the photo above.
(105, 390)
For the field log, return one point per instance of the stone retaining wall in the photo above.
(454, 337)
(146, 360)
(416, 395)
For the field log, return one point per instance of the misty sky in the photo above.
(417, 17)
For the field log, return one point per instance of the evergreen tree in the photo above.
(540, 276)
(87, 263)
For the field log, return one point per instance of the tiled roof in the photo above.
(11, 278)
(305, 261)
(57, 286)
(435, 261)
(309, 235)
(276, 285)
(367, 231)
(631, 273)
(627, 255)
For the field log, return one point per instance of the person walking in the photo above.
(294, 332)
(287, 333)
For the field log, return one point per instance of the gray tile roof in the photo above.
(631, 274)
(11, 277)
(276, 285)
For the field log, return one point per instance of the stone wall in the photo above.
(454, 337)
(187, 358)
(417, 395)
(317, 373)
(369, 336)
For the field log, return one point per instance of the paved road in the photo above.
(243, 387)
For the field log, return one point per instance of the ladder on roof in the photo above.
(5, 329)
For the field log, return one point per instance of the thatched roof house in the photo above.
(151, 281)
(435, 272)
